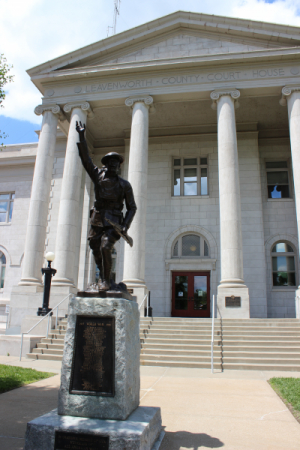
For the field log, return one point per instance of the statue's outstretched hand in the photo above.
(80, 130)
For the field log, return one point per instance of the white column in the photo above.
(69, 216)
(292, 94)
(39, 200)
(232, 282)
(134, 257)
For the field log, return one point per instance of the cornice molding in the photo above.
(85, 106)
(146, 99)
(286, 92)
(55, 109)
(217, 93)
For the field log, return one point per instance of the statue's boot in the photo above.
(103, 286)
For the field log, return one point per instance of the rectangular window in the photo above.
(277, 179)
(6, 207)
(190, 177)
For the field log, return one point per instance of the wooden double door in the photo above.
(191, 294)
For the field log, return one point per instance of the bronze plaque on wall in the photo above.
(93, 365)
(80, 441)
(232, 302)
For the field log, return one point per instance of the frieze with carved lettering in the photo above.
(93, 365)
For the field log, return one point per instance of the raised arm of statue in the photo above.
(87, 163)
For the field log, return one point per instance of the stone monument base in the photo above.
(141, 431)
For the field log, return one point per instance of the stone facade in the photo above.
(170, 94)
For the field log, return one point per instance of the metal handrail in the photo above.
(146, 296)
(212, 335)
(50, 313)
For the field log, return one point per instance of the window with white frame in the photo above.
(6, 206)
(190, 176)
(2, 269)
(190, 246)
(278, 179)
(283, 265)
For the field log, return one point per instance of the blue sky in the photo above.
(35, 31)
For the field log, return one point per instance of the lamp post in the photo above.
(49, 273)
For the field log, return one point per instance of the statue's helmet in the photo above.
(105, 158)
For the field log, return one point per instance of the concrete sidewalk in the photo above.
(233, 410)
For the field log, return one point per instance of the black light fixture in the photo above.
(49, 273)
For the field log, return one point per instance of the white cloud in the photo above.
(35, 31)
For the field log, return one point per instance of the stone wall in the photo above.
(16, 179)
(279, 224)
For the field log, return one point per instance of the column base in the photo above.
(233, 301)
(25, 301)
(30, 282)
(63, 282)
(138, 290)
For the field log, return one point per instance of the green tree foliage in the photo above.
(5, 78)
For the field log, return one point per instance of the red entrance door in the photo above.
(191, 294)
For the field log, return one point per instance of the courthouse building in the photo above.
(205, 111)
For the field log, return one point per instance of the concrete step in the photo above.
(225, 339)
(44, 357)
(182, 347)
(225, 322)
(56, 335)
(46, 351)
(52, 341)
(200, 365)
(196, 365)
(54, 346)
(58, 331)
(262, 355)
(175, 353)
(168, 357)
(227, 332)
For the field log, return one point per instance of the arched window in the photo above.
(283, 264)
(2, 269)
(190, 246)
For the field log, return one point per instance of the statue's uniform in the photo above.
(110, 194)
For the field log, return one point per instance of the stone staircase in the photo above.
(259, 344)
(51, 348)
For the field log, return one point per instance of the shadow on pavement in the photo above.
(19, 406)
(185, 440)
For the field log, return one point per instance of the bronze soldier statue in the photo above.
(107, 221)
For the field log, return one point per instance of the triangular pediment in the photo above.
(182, 44)
(178, 35)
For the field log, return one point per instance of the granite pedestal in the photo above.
(98, 404)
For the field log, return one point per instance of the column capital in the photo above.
(286, 92)
(146, 99)
(85, 106)
(55, 109)
(217, 93)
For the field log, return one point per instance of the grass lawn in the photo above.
(12, 377)
(288, 390)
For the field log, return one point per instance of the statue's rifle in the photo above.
(119, 230)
